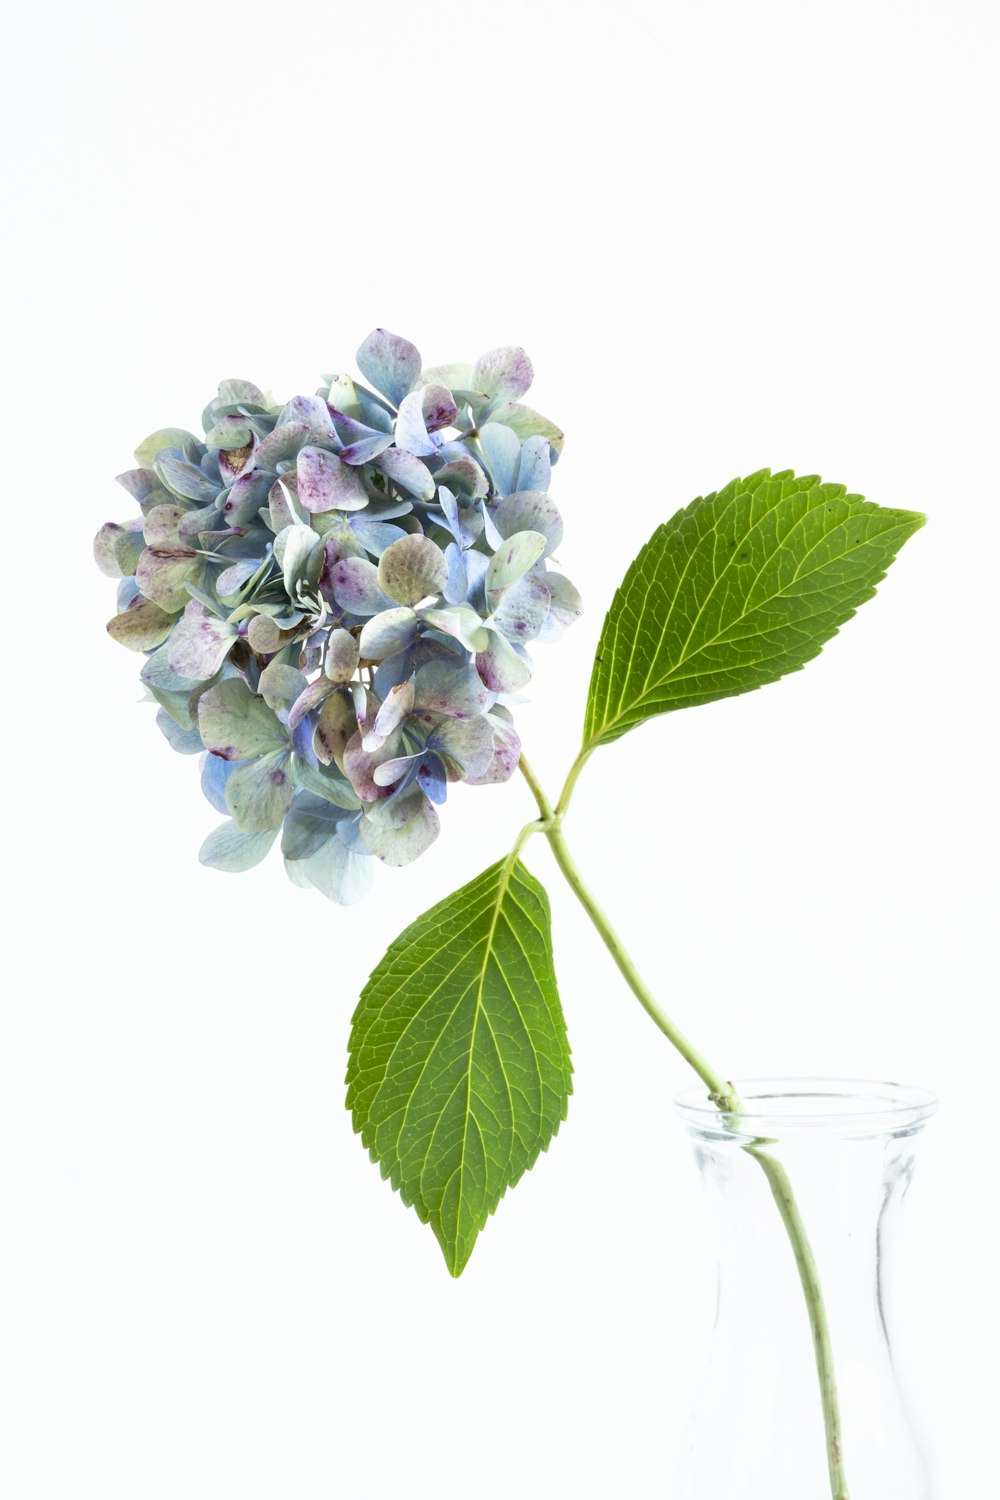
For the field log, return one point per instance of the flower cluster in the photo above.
(334, 599)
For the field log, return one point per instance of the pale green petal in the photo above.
(166, 437)
(518, 553)
(386, 633)
(340, 874)
(460, 621)
(412, 569)
(236, 724)
(229, 848)
(324, 782)
(396, 847)
(142, 626)
(259, 795)
(280, 684)
(341, 659)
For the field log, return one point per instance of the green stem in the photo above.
(781, 1190)
(722, 1093)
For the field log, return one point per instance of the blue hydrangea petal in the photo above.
(390, 363)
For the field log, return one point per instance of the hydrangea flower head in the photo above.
(335, 599)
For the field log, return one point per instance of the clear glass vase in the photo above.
(804, 1187)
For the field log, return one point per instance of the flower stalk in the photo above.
(722, 1093)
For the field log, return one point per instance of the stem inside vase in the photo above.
(724, 1097)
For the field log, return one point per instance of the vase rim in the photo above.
(832, 1106)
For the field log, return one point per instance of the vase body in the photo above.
(759, 1430)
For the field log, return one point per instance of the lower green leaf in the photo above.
(459, 1071)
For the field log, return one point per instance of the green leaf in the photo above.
(734, 592)
(459, 1070)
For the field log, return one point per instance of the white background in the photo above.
(729, 235)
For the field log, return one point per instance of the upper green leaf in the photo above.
(735, 591)
(459, 1070)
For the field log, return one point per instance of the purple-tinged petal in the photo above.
(391, 716)
(336, 726)
(433, 779)
(247, 496)
(355, 584)
(439, 407)
(350, 430)
(362, 699)
(522, 611)
(366, 449)
(282, 445)
(530, 510)
(506, 753)
(106, 549)
(236, 461)
(500, 667)
(314, 414)
(199, 644)
(451, 688)
(503, 374)
(311, 697)
(163, 574)
(259, 795)
(390, 363)
(465, 746)
(236, 724)
(406, 470)
(392, 772)
(161, 527)
(360, 765)
(325, 483)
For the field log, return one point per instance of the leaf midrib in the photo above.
(684, 658)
